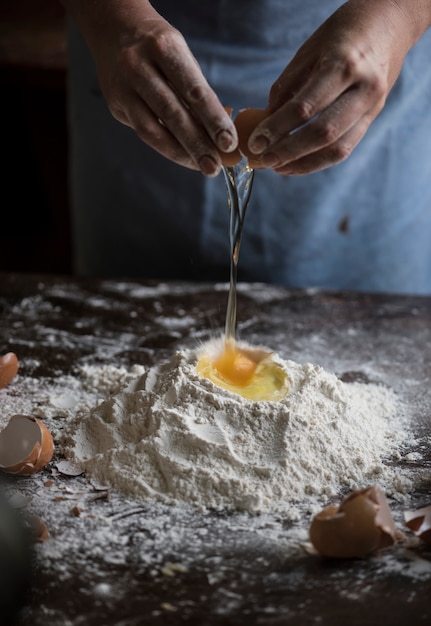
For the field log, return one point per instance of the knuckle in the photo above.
(351, 64)
(348, 63)
(356, 66)
(165, 42)
(377, 85)
(116, 105)
(117, 112)
(327, 132)
(196, 93)
(147, 134)
(128, 62)
(167, 111)
(171, 112)
(150, 131)
(304, 110)
(340, 151)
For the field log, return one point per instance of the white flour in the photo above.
(172, 436)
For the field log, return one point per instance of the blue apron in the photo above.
(364, 224)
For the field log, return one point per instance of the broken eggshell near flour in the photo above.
(9, 366)
(360, 525)
(419, 522)
(26, 445)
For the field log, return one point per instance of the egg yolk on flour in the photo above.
(250, 373)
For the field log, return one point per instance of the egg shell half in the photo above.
(26, 445)
(245, 123)
(362, 524)
(9, 366)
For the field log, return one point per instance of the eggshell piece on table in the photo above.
(68, 468)
(39, 530)
(9, 366)
(419, 522)
(361, 525)
(245, 123)
(26, 445)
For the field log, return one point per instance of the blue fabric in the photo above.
(364, 224)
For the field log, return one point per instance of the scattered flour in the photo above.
(173, 436)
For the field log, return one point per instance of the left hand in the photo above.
(336, 85)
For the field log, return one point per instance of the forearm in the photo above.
(417, 14)
(414, 16)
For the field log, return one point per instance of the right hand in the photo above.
(152, 82)
(335, 86)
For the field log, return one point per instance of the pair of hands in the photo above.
(331, 91)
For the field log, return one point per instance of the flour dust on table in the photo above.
(173, 436)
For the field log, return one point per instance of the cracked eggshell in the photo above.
(419, 522)
(26, 445)
(245, 123)
(362, 524)
(9, 366)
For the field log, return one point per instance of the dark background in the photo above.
(35, 221)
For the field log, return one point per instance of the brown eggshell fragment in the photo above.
(419, 522)
(361, 524)
(39, 530)
(26, 445)
(384, 519)
(9, 366)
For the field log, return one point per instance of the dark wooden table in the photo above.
(123, 562)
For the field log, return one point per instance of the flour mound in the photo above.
(173, 436)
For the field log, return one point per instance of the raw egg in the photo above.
(246, 371)
(234, 366)
(245, 123)
(8, 368)
(26, 445)
(361, 525)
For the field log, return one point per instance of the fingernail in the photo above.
(259, 144)
(208, 166)
(270, 159)
(225, 140)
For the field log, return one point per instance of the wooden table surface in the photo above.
(123, 562)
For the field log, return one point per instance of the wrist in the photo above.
(94, 16)
(412, 16)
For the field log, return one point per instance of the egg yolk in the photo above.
(251, 374)
(235, 367)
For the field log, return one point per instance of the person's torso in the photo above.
(266, 24)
